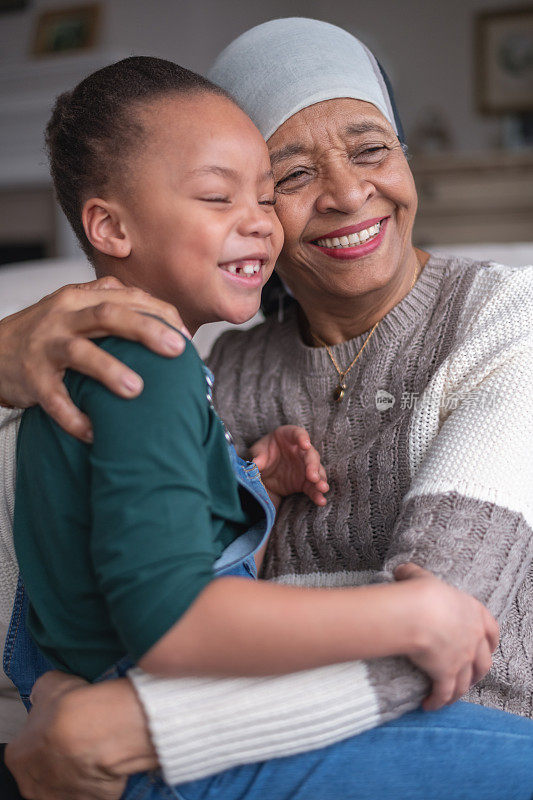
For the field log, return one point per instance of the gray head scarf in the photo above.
(280, 67)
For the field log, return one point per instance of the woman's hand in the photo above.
(455, 635)
(289, 463)
(39, 343)
(80, 741)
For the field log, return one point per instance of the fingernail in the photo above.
(133, 384)
(173, 342)
(88, 437)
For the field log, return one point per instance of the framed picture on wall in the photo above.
(67, 30)
(504, 61)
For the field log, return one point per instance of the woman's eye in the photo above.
(292, 176)
(270, 202)
(216, 199)
(371, 154)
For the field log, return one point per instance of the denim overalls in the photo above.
(24, 663)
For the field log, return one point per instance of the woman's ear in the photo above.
(104, 228)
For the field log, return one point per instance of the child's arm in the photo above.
(241, 627)
(289, 464)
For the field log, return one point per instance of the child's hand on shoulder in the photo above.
(289, 464)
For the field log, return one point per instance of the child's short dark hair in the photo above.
(93, 126)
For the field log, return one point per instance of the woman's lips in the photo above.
(349, 253)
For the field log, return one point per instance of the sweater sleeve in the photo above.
(468, 515)
(9, 425)
(201, 726)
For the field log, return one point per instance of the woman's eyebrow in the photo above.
(294, 149)
(358, 128)
(354, 129)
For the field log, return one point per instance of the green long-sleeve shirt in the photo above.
(115, 540)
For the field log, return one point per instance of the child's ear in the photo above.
(104, 228)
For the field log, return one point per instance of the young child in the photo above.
(136, 546)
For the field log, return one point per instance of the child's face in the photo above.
(197, 207)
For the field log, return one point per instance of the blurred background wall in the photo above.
(466, 163)
(425, 45)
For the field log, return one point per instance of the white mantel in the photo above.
(27, 93)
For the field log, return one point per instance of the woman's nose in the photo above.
(343, 189)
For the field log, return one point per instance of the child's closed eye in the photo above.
(216, 199)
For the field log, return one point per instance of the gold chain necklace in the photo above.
(340, 390)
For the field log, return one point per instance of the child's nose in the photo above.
(256, 221)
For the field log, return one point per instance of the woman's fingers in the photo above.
(107, 282)
(110, 319)
(84, 356)
(55, 400)
(40, 342)
(109, 290)
(53, 684)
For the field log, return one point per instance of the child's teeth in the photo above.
(247, 268)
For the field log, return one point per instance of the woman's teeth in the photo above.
(352, 239)
(246, 268)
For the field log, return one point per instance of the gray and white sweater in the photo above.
(429, 458)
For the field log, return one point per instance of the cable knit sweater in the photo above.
(429, 458)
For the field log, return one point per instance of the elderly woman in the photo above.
(409, 372)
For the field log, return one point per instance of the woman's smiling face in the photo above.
(346, 199)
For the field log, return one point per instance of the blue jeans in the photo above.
(462, 752)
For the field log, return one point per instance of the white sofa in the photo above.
(25, 283)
